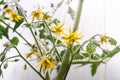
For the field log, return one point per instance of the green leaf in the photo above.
(62, 53)
(47, 76)
(78, 56)
(42, 35)
(2, 28)
(96, 57)
(86, 54)
(4, 31)
(40, 25)
(0, 35)
(17, 24)
(94, 68)
(2, 2)
(14, 40)
(112, 41)
(74, 48)
(114, 51)
(90, 48)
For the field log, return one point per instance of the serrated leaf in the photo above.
(14, 40)
(41, 25)
(78, 56)
(114, 51)
(112, 41)
(42, 35)
(86, 54)
(90, 48)
(75, 47)
(94, 68)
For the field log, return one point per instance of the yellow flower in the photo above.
(45, 16)
(36, 14)
(32, 52)
(15, 17)
(7, 10)
(47, 63)
(72, 37)
(103, 38)
(58, 29)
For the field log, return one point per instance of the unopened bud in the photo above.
(105, 51)
(2, 57)
(16, 60)
(27, 24)
(6, 44)
(96, 43)
(25, 67)
(5, 6)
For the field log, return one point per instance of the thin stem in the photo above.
(65, 65)
(86, 61)
(59, 4)
(53, 42)
(29, 64)
(9, 58)
(78, 15)
(36, 42)
(16, 32)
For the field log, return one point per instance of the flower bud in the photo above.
(96, 43)
(5, 6)
(6, 44)
(105, 51)
(2, 57)
(25, 67)
(16, 60)
(27, 24)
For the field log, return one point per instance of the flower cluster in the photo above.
(13, 15)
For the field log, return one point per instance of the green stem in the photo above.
(65, 66)
(69, 64)
(29, 64)
(9, 58)
(86, 61)
(36, 42)
(53, 42)
(16, 32)
(78, 15)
